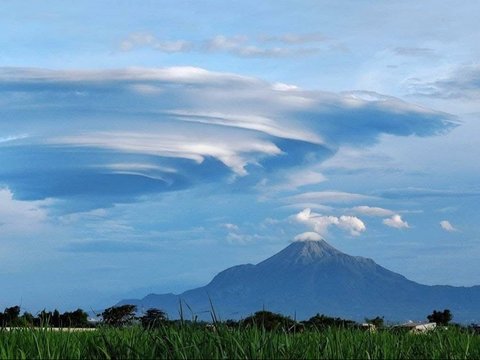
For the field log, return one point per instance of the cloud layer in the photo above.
(113, 135)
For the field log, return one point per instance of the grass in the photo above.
(194, 342)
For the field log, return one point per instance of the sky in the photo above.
(145, 146)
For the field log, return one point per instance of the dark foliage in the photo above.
(322, 321)
(153, 318)
(119, 315)
(269, 321)
(440, 317)
(11, 318)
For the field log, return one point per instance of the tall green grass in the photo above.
(194, 342)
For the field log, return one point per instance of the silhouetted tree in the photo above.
(11, 316)
(322, 321)
(440, 317)
(55, 319)
(75, 319)
(43, 319)
(119, 315)
(269, 321)
(27, 319)
(153, 318)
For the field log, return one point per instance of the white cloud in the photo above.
(460, 83)
(239, 45)
(204, 117)
(290, 180)
(329, 197)
(18, 217)
(373, 211)
(352, 224)
(12, 138)
(252, 122)
(242, 239)
(308, 236)
(138, 167)
(301, 178)
(137, 40)
(414, 51)
(186, 146)
(231, 227)
(320, 223)
(350, 158)
(313, 206)
(284, 87)
(396, 222)
(447, 226)
(296, 38)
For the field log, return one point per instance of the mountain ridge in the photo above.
(309, 277)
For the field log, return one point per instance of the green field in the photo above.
(187, 342)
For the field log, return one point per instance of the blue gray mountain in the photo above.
(309, 277)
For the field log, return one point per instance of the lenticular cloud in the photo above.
(174, 128)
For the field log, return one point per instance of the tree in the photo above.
(11, 316)
(322, 321)
(44, 318)
(269, 321)
(440, 317)
(119, 315)
(75, 319)
(27, 319)
(55, 320)
(377, 321)
(153, 318)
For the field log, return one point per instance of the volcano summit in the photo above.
(309, 277)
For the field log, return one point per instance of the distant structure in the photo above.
(417, 328)
(368, 327)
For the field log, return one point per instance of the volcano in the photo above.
(310, 277)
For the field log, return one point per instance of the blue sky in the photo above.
(146, 146)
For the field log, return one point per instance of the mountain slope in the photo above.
(312, 277)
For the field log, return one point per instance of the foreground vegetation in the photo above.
(122, 334)
(189, 341)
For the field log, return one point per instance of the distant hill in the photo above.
(309, 277)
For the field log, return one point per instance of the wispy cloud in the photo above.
(447, 226)
(414, 51)
(461, 83)
(290, 180)
(292, 38)
(230, 226)
(413, 193)
(139, 40)
(329, 197)
(268, 46)
(373, 211)
(396, 222)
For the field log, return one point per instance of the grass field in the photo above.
(189, 342)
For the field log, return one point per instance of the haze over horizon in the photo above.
(146, 146)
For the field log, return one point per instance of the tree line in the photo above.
(124, 315)
(11, 317)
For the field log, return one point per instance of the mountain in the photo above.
(309, 277)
